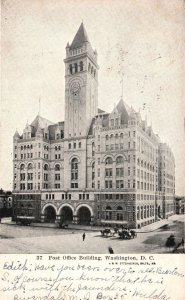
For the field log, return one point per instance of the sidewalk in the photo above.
(148, 228)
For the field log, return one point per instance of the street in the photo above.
(29, 239)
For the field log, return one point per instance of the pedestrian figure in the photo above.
(111, 250)
(83, 236)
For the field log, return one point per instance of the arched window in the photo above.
(108, 161)
(119, 208)
(81, 66)
(22, 167)
(76, 68)
(108, 207)
(121, 135)
(119, 160)
(30, 166)
(74, 173)
(92, 70)
(57, 167)
(70, 69)
(107, 137)
(45, 167)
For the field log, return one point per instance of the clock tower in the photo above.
(81, 85)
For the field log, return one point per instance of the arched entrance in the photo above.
(84, 215)
(49, 214)
(66, 215)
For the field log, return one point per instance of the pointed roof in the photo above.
(124, 110)
(41, 122)
(16, 134)
(80, 38)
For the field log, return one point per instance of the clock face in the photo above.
(75, 87)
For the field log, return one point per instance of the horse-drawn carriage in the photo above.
(123, 233)
(127, 234)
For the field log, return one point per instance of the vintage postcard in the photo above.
(92, 140)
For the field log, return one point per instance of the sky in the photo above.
(139, 42)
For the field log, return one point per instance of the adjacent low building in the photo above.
(96, 167)
(5, 203)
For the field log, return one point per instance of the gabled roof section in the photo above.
(80, 38)
(124, 110)
(41, 122)
(100, 111)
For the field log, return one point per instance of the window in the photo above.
(74, 172)
(108, 161)
(70, 69)
(45, 167)
(69, 145)
(22, 167)
(22, 176)
(45, 177)
(119, 172)
(119, 160)
(57, 176)
(119, 184)
(30, 166)
(81, 66)
(108, 172)
(108, 184)
(79, 145)
(57, 167)
(98, 184)
(93, 171)
(30, 176)
(76, 68)
(30, 186)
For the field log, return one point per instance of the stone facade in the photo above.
(96, 167)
